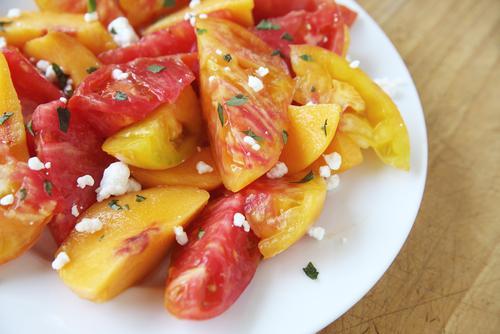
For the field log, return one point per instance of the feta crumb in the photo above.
(203, 16)
(334, 160)
(133, 186)
(354, 64)
(239, 220)
(124, 33)
(278, 171)
(316, 232)
(192, 21)
(115, 181)
(211, 78)
(13, 13)
(89, 225)
(63, 100)
(310, 103)
(83, 181)
(3, 42)
(35, 164)
(117, 74)
(325, 172)
(255, 83)
(203, 168)
(227, 69)
(50, 74)
(391, 87)
(180, 236)
(42, 65)
(308, 26)
(218, 52)
(332, 182)
(194, 3)
(60, 261)
(91, 17)
(48, 165)
(252, 142)
(74, 210)
(262, 71)
(7, 200)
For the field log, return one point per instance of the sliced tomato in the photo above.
(34, 203)
(141, 12)
(208, 274)
(235, 112)
(32, 88)
(179, 38)
(72, 154)
(108, 10)
(110, 105)
(324, 26)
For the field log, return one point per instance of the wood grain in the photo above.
(447, 277)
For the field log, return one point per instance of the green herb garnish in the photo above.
(237, 101)
(228, 58)
(200, 31)
(64, 117)
(22, 194)
(306, 178)
(306, 57)
(284, 134)
(62, 78)
(267, 25)
(278, 53)
(47, 186)
(168, 3)
(5, 117)
(220, 111)
(201, 233)
(156, 68)
(139, 198)
(324, 127)
(29, 127)
(120, 96)
(91, 69)
(287, 37)
(91, 6)
(252, 134)
(113, 204)
(126, 207)
(113, 31)
(311, 271)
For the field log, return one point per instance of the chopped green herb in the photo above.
(220, 111)
(311, 271)
(313, 89)
(267, 25)
(91, 6)
(287, 37)
(92, 69)
(168, 3)
(200, 31)
(228, 58)
(156, 68)
(139, 198)
(201, 233)
(22, 194)
(237, 101)
(253, 135)
(113, 31)
(120, 96)
(284, 134)
(62, 78)
(306, 57)
(5, 117)
(324, 127)
(278, 53)
(29, 126)
(102, 237)
(113, 204)
(126, 207)
(306, 178)
(64, 116)
(47, 186)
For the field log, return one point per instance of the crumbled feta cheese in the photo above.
(74, 210)
(211, 78)
(69, 86)
(91, 17)
(194, 3)
(227, 69)
(117, 74)
(310, 103)
(180, 236)
(48, 165)
(316, 232)
(278, 171)
(218, 52)
(63, 100)
(308, 26)
(203, 168)
(391, 87)
(133, 186)
(262, 71)
(325, 172)
(255, 83)
(7, 200)
(115, 181)
(332, 182)
(239, 220)
(42, 65)
(50, 74)
(192, 21)
(86, 180)
(3, 42)
(60, 261)
(13, 13)
(252, 142)
(203, 16)
(124, 33)
(35, 164)
(354, 64)
(334, 160)
(89, 225)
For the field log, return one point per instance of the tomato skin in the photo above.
(179, 38)
(32, 88)
(95, 100)
(72, 154)
(208, 274)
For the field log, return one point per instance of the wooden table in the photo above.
(447, 277)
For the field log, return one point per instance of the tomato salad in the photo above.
(211, 130)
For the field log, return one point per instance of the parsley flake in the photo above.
(91, 69)
(168, 3)
(201, 233)
(156, 68)
(113, 204)
(102, 237)
(287, 37)
(307, 178)
(267, 25)
(284, 134)
(113, 31)
(64, 116)
(252, 134)
(120, 96)
(47, 186)
(126, 207)
(29, 127)
(237, 101)
(278, 53)
(139, 198)
(220, 111)
(311, 271)
(91, 6)
(22, 194)
(306, 57)
(5, 117)
(200, 31)
(228, 58)
(324, 127)
(62, 78)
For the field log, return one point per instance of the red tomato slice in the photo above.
(32, 88)
(110, 105)
(72, 154)
(207, 275)
(179, 38)
(325, 27)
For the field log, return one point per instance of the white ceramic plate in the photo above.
(367, 221)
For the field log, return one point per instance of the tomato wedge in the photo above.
(208, 274)
(72, 153)
(246, 126)
(111, 104)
